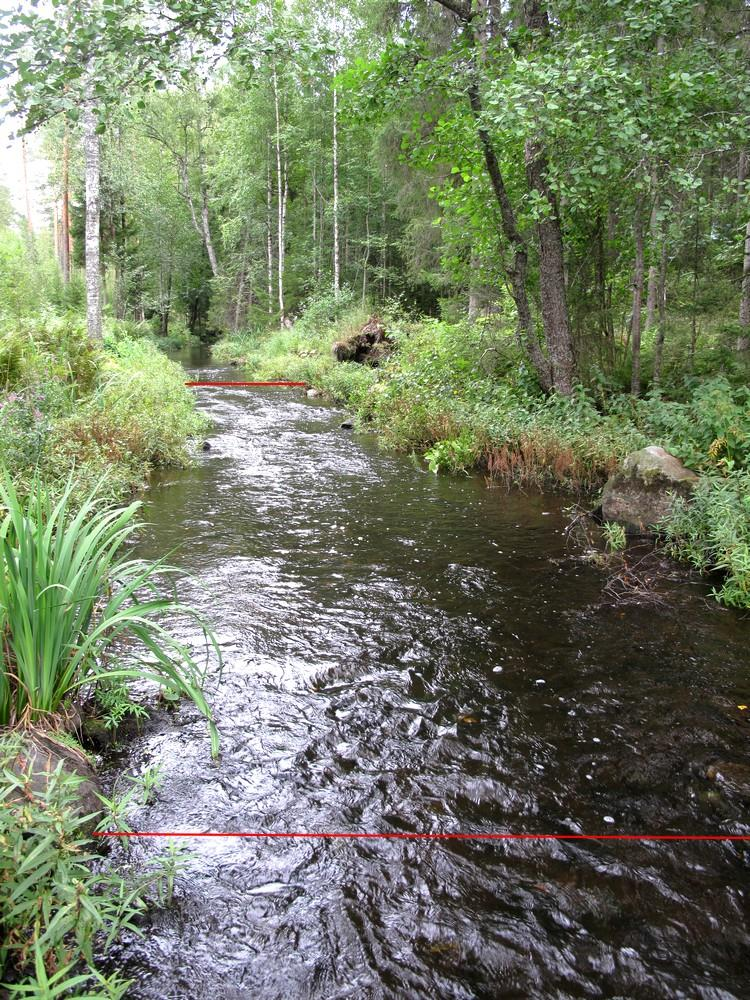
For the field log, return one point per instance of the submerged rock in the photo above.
(207, 446)
(369, 346)
(642, 491)
(732, 777)
(347, 425)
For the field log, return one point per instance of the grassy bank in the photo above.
(81, 427)
(462, 397)
(110, 413)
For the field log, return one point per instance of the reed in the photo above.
(71, 600)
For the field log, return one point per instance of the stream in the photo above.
(410, 652)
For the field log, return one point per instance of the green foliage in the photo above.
(109, 413)
(69, 598)
(54, 903)
(711, 429)
(454, 455)
(614, 536)
(711, 531)
(113, 703)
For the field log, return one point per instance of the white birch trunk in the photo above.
(336, 249)
(269, 233)
(93, 269)
(280, 197)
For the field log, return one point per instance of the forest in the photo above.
(509, 238)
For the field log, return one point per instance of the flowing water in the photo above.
(406, 652)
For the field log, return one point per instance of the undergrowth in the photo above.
(111, 412)
(59, 903)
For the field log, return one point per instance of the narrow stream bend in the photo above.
(407, 652)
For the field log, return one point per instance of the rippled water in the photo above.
(406, 652)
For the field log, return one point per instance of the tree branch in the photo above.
(462, 11)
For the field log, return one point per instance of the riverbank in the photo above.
(461, 397)
(82, 427)
(109, 413)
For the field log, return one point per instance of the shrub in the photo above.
(454, 455)
(56, 896)
(68, 597)
(711, 531)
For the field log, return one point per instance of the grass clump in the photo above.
(112, 412)
(711, 531)
(70, 598)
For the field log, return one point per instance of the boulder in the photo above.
(369, 346)
(643, 490)
(40, 756)
(313, 393)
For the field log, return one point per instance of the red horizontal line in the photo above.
(246, 383)
(437, 836)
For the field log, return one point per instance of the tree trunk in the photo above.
(207, 232)
(65, 210)
(336, 249)
(166, 306)
(201, 225)
(280, 200)
(475, 292)
(552, 276)
(552, 288)
(26, 190)
(638, 276)
(93, 270)
(314, 225)
(743, 341)
(517, 270)
(558, 371)
(269, 232)
(661, 297)
(282, 241)
(694, 303)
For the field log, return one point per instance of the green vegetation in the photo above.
(57, 909)
(110, 412)
(69, 598)
(546, 202)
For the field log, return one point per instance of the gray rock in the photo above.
(347, 425)
(643, 490)
(41, 755)
(313, 393)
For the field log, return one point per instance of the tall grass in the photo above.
(70, 598)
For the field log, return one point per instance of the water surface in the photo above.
(406, 652)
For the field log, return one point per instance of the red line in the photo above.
(246, 383)
(439, 836)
